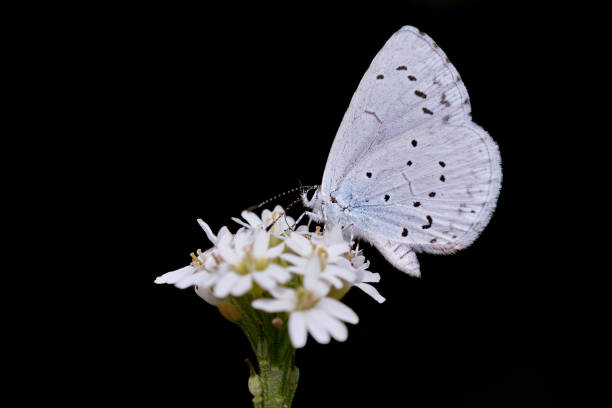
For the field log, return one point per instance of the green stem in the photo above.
(275, 384)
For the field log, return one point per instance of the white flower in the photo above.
(247, 258)
(332, 252)
(310, 310)
(363, 276)
(194, 274)
(280, 221)
(203, 271)
(205, 293)
(297, 268)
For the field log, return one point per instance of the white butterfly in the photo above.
(409, 170)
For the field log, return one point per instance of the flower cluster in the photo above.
(281, 268)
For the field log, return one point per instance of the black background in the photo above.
(185, 114)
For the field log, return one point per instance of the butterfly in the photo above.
(408, 170)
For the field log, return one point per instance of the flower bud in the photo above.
(293, 378)
(255, 385)
(230, 311)
(277, 322)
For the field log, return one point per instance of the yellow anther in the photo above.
(195, 259)
(322, 253)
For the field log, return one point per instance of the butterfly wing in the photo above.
(413, 169)
(399, 255)
(409, 78)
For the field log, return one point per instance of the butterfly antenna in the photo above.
(284, 214)
(276, 197)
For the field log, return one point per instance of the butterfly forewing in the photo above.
(410, 82)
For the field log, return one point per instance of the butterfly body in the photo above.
(409, 170)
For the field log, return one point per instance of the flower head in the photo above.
(310, 309)
(278, 267)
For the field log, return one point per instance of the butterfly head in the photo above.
(328, 206)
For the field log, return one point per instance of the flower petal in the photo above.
(299, 244)
(211, 237)
(265, 216)
(206, 294)
(371, 290)
(335, 327)
(260, 246)
(241, 240)
(337, 249)
(224, 237)
(277, 273)
(315, 328)
(251, 218)
(210, 280)
(175, 276)
(370, 277)
(273, 305)
(228, 254)
(290, 221)
(346, 274)
(242, 285)
(240, 222)
(338, 310)
(191, 280)
(297, 329)
(294, 259)
(337, 283)
(264, 280)
(223, 234)
(225, 284)
(275, 251)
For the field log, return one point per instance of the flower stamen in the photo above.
(194, 259)
(305, 299)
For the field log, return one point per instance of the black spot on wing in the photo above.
(430, 221)
(443, 101)
(427, 111)
(420, 94)
(401, 68)
(380, 76)
(412, 77)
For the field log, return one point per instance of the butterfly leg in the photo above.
(312, 216)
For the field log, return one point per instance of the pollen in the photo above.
(194, 259)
